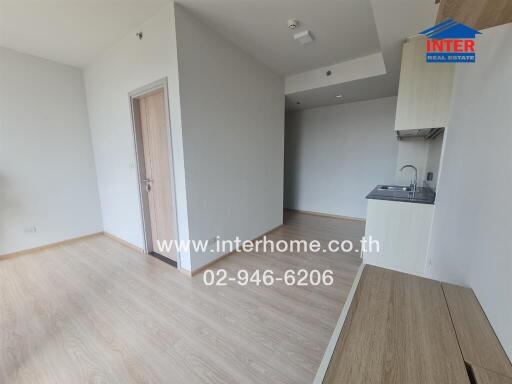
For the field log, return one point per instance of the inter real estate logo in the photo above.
(450, 42)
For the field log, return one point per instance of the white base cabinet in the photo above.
(403, 232)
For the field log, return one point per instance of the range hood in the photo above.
(426, 133)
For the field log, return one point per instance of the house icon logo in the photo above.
(450, 42)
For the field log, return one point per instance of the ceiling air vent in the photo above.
(427, 133)
(303, 37)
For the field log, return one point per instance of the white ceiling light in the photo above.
(303, 37)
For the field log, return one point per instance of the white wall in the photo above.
(233, 131)
(425, 155)
(435, 149)
(131, 64)
(47, 174)
(472, 227)
(413, 151)
(336, 155)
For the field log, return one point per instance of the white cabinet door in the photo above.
(403, 233)
(425, 90)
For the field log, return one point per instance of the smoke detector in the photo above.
(293, 23)
(303, 37)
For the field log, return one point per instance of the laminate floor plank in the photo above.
(96, 311)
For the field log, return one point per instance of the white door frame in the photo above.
(139, 156)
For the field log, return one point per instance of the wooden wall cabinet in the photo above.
(425, 90)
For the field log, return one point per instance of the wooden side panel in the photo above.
(483, 376)
(477, 340)
(331, 374)
(399, 332)
(477, 14)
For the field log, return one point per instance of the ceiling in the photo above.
(342, 29)
(364, 89)
(72, 32)
(395, 21)
(75, 32)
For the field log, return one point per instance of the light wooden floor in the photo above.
(98, 312)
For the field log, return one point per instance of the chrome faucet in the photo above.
(414, 184)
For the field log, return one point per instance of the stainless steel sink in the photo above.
(395, 188)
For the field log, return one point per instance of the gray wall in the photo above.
(47, 175)
(232, 110)
(335, 155)
(472, 227)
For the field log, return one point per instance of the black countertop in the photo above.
(421, 196)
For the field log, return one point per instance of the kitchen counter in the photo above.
(421, 196)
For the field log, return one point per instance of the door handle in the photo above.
(147, 182)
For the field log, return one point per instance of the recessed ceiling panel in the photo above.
(341, 29)
(358, 90)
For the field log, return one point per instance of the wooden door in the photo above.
(157, 181)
